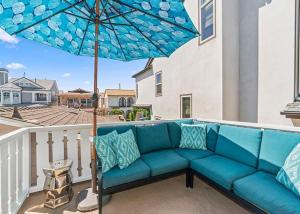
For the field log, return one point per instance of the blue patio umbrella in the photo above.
(115, 29)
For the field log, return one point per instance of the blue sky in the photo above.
(43, 62)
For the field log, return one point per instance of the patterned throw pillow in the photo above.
(289, 174)
(105, 150)
(193, 136)
(126, 149)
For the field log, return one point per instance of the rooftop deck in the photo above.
(167, 197)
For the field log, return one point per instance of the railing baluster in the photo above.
(12, 174)
(33, 156)
(50, 143)
(4, 179)
(79, 168)
(19, 167)
(65, 141)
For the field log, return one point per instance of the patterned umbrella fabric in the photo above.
(129, 29)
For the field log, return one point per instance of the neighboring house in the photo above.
(243, 67)
(26, 91)
(76, 98)
(119, 99)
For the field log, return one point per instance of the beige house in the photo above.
(243, 67)
(118, 99)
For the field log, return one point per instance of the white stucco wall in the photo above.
(276, 60)
(245, 73)
(192, 69)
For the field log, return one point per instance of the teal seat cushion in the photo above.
(153, 137)
(136, 171)
(239, 143)
(289, 174)
(221, 170)
(193, 136)
(263, 190)
(275, 147)
(212, 130)
(103, 130)
(174, 129)
(164, 161)
(191, 154)
(105, 151)
(126, 149)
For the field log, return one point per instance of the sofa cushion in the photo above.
(289, 174)
(126, 149)
(103, 130)
(221, 170)
(262, 190)
(275, 147)
(192, 154)
(239, 143)
(174, 129)
(212, 130)
(105, 151)
(153, 137)
(193, 136)
(116, 176)
(164, 161)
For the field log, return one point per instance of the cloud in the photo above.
(86, 82)
(5, 37)
(15, 66)
(66, 75)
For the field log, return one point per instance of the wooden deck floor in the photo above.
(165, 197)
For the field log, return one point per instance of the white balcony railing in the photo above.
(25, 152)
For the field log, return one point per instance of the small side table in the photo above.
(58, 183)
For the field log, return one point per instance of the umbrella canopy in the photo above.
(128, 29)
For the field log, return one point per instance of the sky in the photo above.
(39, 61)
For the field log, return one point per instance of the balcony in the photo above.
(25, 152)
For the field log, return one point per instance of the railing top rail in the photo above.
(12, 135)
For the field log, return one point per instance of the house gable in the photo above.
(27, 83)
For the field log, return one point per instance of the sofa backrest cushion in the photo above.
(153, 137)
(212, 130)
(119, 128)
(239, 143)
(275, 147)
(174, 130)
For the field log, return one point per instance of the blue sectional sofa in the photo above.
(240, 162)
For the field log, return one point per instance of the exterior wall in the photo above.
(192, 69)
(230, 59)
(276, 60)
(26, 97)
(113, 101)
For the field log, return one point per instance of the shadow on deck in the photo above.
(165, 197)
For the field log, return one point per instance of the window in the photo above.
(297, 53)
(122, 102)
(186, 106)
(40, 97)
(206, 20)
(158, 84)
(129, 101)
(15, 97)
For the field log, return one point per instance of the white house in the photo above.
(243, 67)
(26, 91)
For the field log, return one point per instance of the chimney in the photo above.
(16, 113)
(35, 79)
(119, 86)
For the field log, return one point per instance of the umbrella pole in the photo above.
(89, 198)
(95, 104)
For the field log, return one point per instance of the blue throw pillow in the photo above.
(126, 149)
(289, 174)
(193, 136)
(105, 150)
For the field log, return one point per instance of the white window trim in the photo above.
(191, 105)
(201, 42)
(156, 84)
